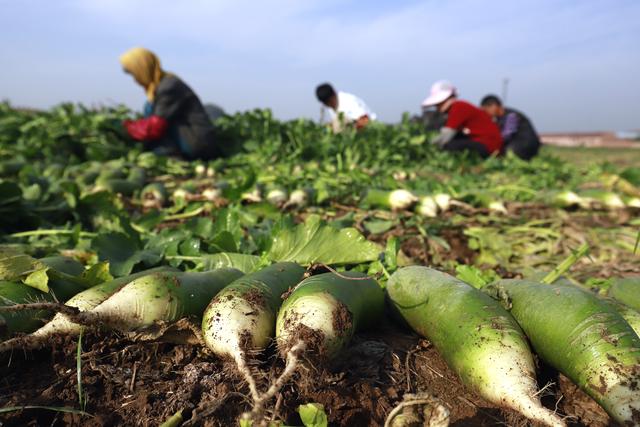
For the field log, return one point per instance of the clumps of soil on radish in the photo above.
(129, 383)
(342, 319)
(313, 339)
(584, 409)
(255, 298)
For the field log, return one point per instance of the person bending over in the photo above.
(175, 122)
(467, 128)
(341, 108)
(518, 133)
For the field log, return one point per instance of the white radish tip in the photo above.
(401, 199)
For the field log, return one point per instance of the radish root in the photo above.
(245, 370)
(438, 415)
(27, 342)
(293, 359)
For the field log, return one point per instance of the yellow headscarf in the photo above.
(144, 65)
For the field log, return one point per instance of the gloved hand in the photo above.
(446, 134)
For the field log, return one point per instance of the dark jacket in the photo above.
(523, 140)
(189, 124)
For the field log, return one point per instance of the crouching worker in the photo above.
(467, 128)
(175, 122)
(341, 108)
(517, 131)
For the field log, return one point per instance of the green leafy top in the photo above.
(315, 242)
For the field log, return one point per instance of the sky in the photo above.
(572, 65)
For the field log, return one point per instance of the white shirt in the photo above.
(350, 106)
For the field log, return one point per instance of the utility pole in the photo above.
(505, 89)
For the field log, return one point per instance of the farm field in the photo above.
(342, 207)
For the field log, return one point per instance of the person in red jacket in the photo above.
(468, 128)
(175, 122)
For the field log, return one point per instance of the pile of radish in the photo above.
(483, 334)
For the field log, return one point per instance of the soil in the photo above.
(129, 383)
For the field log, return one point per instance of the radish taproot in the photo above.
(325, 310)
(583, 337)
(479, 340)
(242, 317)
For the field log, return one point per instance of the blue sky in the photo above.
(572, 65)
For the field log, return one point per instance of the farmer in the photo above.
(518, 133)
(467, 128)
(342, 108)
(175, 122)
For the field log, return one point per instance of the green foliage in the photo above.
(314, 242)
(474, 276)
(313, 415)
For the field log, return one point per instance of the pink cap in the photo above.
(440, 92)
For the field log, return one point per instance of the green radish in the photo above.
(583, 337)
(186, 191)
(200, 170)
(443, 200)
(120, 186)
(116, 182)
(478, 338)
(212, 194)
(395, 200)
(153, 193)
(565, 199)
(631, 201)
(137, 175)
(603, 198)
(163, 296)
(86, 300)
(242, 317)
(324, 311)
(112, 170)
(277, 196)
(427, 206)
(627, 291)
(300, 197)
(629, 314)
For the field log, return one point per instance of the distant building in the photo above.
(628, 134)
(592, 139)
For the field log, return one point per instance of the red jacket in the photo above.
(147, 129)
(480, 126)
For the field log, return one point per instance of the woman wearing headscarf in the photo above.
(175, 122)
